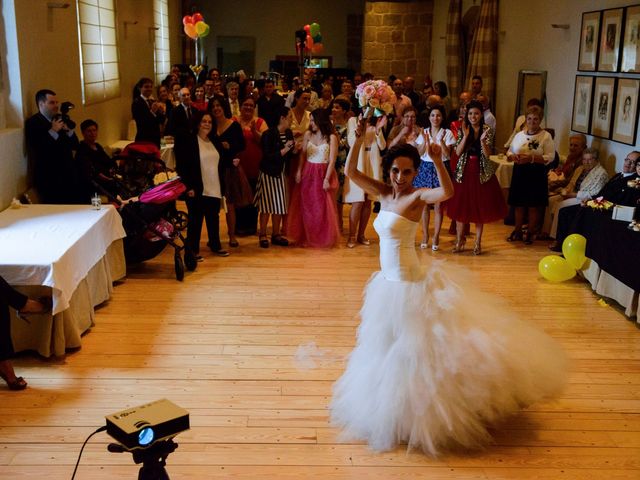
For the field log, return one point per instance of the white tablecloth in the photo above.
(609, 286)
(504, 171)
(55, 245)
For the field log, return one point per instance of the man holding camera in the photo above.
(51, 141)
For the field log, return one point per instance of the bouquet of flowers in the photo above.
(600, 204)
(375, 96)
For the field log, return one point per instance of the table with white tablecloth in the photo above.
(72, 253)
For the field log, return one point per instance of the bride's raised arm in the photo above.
(368, 184)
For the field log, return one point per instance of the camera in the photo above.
(64, 115)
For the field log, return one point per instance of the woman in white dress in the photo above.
(370, 162)
(436, 360)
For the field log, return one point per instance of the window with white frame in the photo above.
(161, 48)
(98, 50)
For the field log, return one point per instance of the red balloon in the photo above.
(309, 43)
(307, 28)
(197, 17)
(187, 20)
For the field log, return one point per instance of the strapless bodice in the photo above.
(398, 257)
(317, 153)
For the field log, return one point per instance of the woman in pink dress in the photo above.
(313, 212)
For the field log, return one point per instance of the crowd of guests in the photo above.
(258, 153)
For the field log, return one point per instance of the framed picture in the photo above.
(625, 120)
(582, 98)
(631, 41)
(610, 35)
(589, 37)
(602, 111)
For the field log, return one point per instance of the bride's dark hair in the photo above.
(402, 150)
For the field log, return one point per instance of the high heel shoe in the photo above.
(515, 236)
(477, 249)
(363, 241)
(434, 245)
(458, 247)
(351, 243)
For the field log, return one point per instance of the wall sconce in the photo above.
(152, 33)
(50, 7)
(563, 26)
(126, 26)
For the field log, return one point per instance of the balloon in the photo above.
(317, 38)
(190, 31)
(317, 48)
(309, 43)
(307, 28)
(556, 269)
(205, 32)
(314, 29)
(200, 28)
(197, 17)
(187, 20)
(573, 249)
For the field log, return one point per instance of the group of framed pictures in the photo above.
(610, 41)
(606, 106)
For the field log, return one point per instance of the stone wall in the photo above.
(397, 38)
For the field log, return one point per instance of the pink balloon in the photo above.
(187, 20)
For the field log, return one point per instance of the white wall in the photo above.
(528, 42)
(273, 24)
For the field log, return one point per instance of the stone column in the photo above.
(397, 38)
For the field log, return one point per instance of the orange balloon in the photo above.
(317, 48)
(190, 31)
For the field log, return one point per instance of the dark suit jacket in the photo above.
(617, 191)
(269, 109)
(55, 174)
(272, 160)
(178, 124)
(187, 153)
(147, 124)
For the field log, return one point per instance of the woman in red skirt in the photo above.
(477, 195)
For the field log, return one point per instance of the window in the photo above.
(98, 50)
(161, 47)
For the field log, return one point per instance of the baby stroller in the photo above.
(149, 214)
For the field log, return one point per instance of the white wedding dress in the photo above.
(437, 361)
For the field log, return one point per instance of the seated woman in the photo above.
(587, 180)
(96, 167)
(14, 299)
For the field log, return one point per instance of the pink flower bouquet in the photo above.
(375, 96)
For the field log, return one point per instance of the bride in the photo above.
(436, 361)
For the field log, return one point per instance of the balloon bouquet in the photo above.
(313, 39)
(557, 269)
(195, 28)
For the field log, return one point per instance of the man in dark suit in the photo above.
(269, 104)
(181, 119)
(147, 113)
(50, 146)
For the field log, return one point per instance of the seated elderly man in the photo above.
(618, 190)
(587, 180)
(559, 178)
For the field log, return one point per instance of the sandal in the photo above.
(364, 241)
(435, 244)
(424, 245)
(18, 384)
(515, 236)
(264, 243)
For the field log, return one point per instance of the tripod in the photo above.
(153, 458)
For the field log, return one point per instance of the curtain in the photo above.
(454, 50)
(484, 49)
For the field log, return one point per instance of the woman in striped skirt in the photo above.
(271, 192)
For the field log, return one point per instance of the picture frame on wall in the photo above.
(610, 36)
(582, 98)
(631, 41)
(589, 41)
(625, 122)
(602, 110)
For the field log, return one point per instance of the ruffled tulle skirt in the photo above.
(313, 216)
(437, 362)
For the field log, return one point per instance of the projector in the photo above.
(140, 427)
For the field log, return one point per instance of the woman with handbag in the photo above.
(477, 194)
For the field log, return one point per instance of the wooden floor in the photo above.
(223, 344)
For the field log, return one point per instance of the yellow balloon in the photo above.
(201, 27)
(556, 269)
(573, 249)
